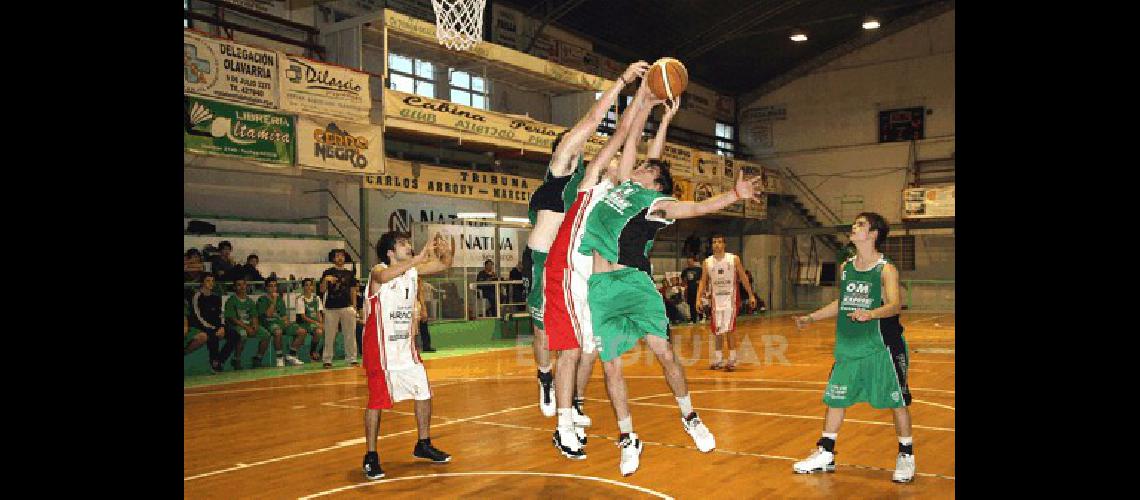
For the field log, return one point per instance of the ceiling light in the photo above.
(870, 23)
(476, 215)
(798, 36)
(524, 220)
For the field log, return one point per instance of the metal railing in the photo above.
(807, 194)
(347, 215)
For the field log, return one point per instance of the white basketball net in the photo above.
(458, 23)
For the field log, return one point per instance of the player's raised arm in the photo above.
(384, 275)
(577, 136)
(629, 149)
(743, 189)
(602, 160)
(658, 144)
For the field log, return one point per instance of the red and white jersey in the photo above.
(388, 317)
(722, 280)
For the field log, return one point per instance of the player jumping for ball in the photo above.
(548, 206)
(624, 304)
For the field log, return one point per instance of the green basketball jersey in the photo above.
(859, 290)
(240, 309)
(263, 306)
(312, 307)
(609, 229)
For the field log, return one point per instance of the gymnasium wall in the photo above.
(832, 116)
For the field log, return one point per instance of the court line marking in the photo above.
(493, 473)
(636, 401)
(932, 318)
(703, 379)
(350, 442)
(716, 450)
(948, 407)
(255, 389)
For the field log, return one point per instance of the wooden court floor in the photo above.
(302, 436)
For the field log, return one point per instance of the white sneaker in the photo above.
(566, 441)
(580, 433)
(630, 454)
(700, 434)
(580, 419)
(280, 361)
(820, 460)
(293, 360)
(546, 400)
(904, 469)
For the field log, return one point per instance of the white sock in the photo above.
(732, 355)
(831, 435)
(565, 417)
(716, 356)
(625, 425)
(686, 405)
(906, 440)
(545, 369)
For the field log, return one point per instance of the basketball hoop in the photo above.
(459, 23)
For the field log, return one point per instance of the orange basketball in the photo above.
(667, 78)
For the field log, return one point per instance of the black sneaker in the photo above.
(372, 466)
(215, 367)
(425, 450)
(256, 362)
(327, 365)
(572, 454)
(429, 349)
(236, 363)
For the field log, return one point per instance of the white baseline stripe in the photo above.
(351, 442)
(647, 491)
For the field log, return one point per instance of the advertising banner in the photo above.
(222, 129)
(329, 144)
(229, 71)
(924, 203)
(411, 177)
(313, 88)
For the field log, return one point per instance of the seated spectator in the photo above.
(488, 274)
(241, 318)
(192, 337)
(206, 315)
(310, 317)
(222, 263)
(192, 267)
(274, 317)
(249, 269)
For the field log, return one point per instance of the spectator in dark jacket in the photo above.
(206, 315)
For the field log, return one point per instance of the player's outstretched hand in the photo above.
(635, 71)
(859, 315)
(748, 188)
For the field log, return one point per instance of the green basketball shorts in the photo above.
(625, 306)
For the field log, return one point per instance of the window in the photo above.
(900, 251)
(411, 75)
(724, 135)
(468, 89)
